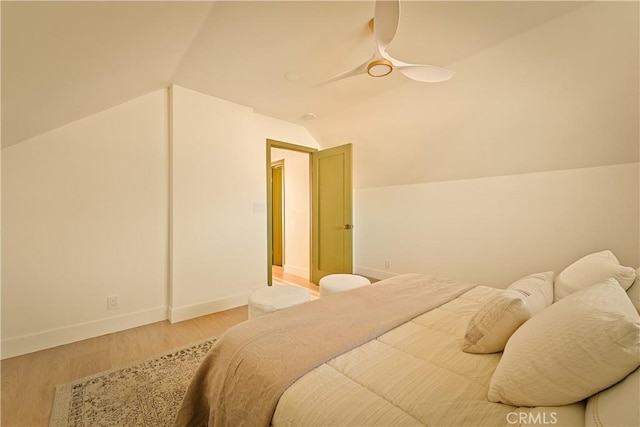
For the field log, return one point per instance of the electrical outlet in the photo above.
(387, 264)
(112, 303)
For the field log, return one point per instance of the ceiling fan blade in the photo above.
(386, 15)
(426, 73)
(419, 72)
(360, 69)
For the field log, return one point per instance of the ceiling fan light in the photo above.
(379, 68)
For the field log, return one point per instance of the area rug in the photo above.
(145, 393)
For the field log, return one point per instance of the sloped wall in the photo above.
(525, 165)
(85, 216)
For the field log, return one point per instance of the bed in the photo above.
(420, 350)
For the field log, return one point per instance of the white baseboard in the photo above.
(12, 347)
(18, 346)
(300, 272)
(373, 273)
(212, 306)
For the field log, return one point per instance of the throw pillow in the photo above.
(490, 328)
(634, 291)
(538, 288)
(576, 347)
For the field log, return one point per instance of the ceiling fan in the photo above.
(384, 24)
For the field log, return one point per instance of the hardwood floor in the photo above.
(28, 382)
(279, 273)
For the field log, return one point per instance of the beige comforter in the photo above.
(413, 375)
(244, 375)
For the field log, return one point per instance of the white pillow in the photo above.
(490, 328)
(592, 269)
(539, 288)
(634, 291)
(578, 346)
(616, 406)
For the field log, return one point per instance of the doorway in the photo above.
(328, 233)
(290, 212)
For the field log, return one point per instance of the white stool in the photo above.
(334, 283)
(274, 298)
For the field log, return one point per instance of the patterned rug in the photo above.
(146, 393)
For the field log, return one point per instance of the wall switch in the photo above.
(112, 303)
(387, 264)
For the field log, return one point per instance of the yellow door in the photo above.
(277, 212)
(331, 218)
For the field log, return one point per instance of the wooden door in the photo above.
(331, 218)
(277, 217)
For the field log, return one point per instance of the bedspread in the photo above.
(252, 364)
(414, 375)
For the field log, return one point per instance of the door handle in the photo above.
(348, 226)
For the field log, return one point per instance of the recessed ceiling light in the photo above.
(291, 77)
(309, 116)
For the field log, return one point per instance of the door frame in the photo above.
(272, 143)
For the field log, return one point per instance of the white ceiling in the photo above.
(521, 67)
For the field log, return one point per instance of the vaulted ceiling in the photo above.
(538, 85)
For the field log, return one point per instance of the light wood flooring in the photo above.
(279, 273)
(29, 381)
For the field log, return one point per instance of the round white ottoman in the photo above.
(334, 283)
(274, 298)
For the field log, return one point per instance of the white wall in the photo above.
(219, 228)
(525, 161)
(85, 215)
(283, 131)
(91, 209)
(495, 230)
(297, 224)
